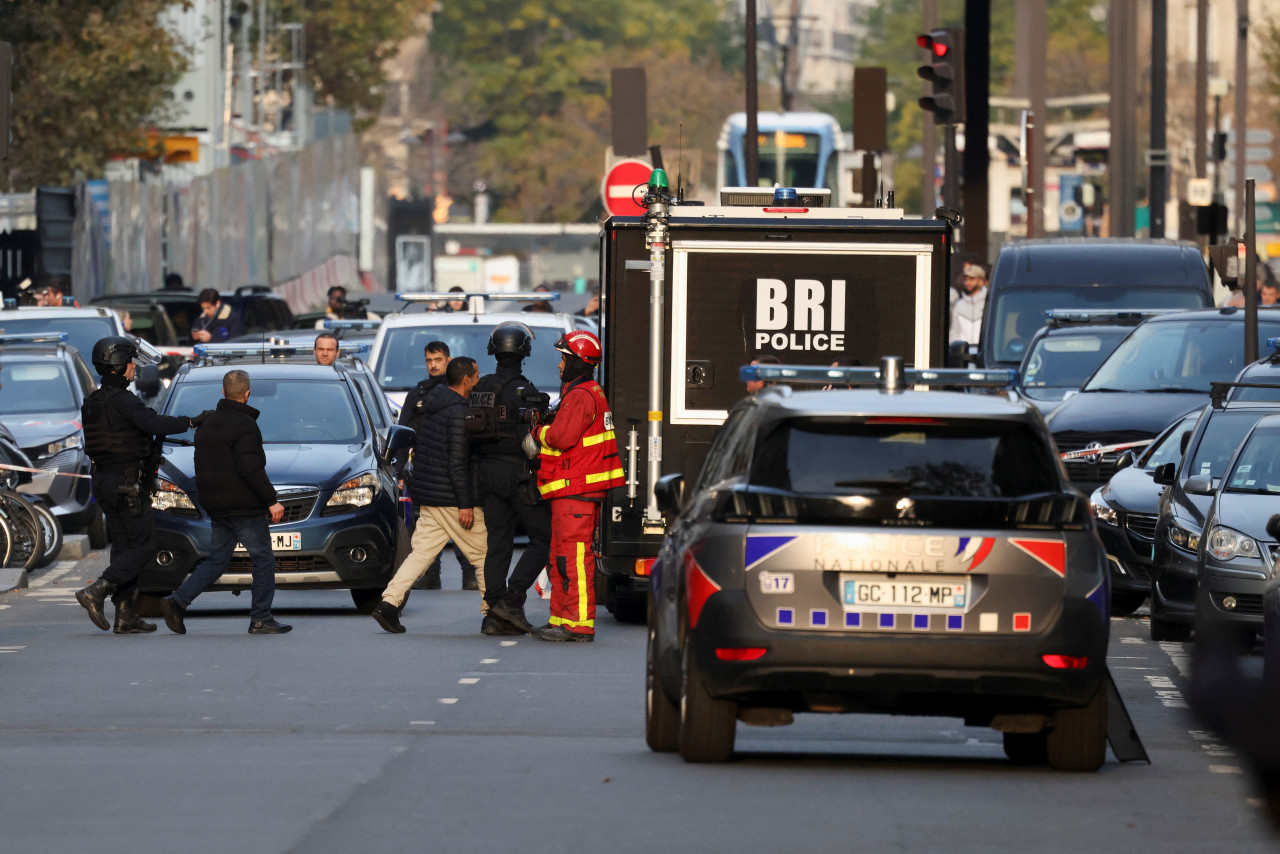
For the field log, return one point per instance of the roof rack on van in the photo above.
(1063, 316)
(1218, 391)
(33, 338)
(890, 376)
(476, 301)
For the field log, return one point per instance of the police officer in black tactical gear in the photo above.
(120, 436)
(509, 492)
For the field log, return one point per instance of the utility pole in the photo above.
(1202, 84)
(929, 138)
(1032, 45)
(1158, 182)
(752, 147)
(977, 82)
(1242, 105)
(1122, 160)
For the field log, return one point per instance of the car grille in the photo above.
(1141, 524)
(1099, 469)
(63, 458)
(1246, 603)
(284, 563)
(298, 502)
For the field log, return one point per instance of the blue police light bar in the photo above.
(513, 296)
(10, 302)
(819, 375)
(1273, 343)
(351, 324)
(276, 347)
(33, 338)
(69, 302)
(1099, 315)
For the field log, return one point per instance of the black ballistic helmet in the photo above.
(113, 354)
(511, 336)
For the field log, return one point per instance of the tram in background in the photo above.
(796, 150)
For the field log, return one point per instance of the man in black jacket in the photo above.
(234, 490)
(442, 488)
(507, 486)
(118, 434)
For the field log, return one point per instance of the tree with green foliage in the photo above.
(87, 76)
(539, 70)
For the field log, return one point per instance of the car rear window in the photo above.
(890, 456)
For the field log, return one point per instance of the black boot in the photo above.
(493, 625)
(512, 614)
(469, 578)
(94, 598)
(173, 614)
(430, 579)
(127, 620)
(388, 617)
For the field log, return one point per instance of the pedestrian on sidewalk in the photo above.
(239, 498)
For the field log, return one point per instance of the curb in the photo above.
(74, 547)
(12, 578)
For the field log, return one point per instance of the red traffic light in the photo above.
(928, 42)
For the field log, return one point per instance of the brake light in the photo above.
(786, 210)
(698, 586)
(644, 566)
(1066, 662)
(741, 653)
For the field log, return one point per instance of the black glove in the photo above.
(199, 419)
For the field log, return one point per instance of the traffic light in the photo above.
(1229, 260)
(946, 72)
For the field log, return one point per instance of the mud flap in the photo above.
(1121, 733)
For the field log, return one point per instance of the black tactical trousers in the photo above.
(133, 538)
(505, 487)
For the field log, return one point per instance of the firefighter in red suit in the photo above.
(578, 462)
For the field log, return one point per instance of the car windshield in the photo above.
(1221, 436)
(292, 411)
(1176, 355)
(1257, 468)
(1019, 312)
(401, 366)
(1169, 449)
(35, 387)
(926, 457)
(1066, 361)
(82, 332)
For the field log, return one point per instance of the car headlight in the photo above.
(357, 492)
(75, 440)
(1188, 541)
(1225, 544)
(171, 498)
(1102, 511)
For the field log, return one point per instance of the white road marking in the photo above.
(61, 592)
(54, 572)
(448, 701)
(1225, 769)
(1169, 695)
(422, 723)
(468, 680)
(1133, 640)
(508, 643)
(488, 661)
(1178, 655)
(5, 607)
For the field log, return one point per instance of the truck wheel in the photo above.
(661, 715)
(1163, 630)
(707, 725)
(1078, 739)
(1026, 748)
(1123, 604)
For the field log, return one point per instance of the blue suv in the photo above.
(329, 455)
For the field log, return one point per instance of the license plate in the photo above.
(872, 592)
(281, 541)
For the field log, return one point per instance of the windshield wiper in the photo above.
(1105, 389)
(1172, 391)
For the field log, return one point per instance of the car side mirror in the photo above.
(957, 354)
(1273, 527)
(669, 490)
(1164, 474)
(1199, 485)
(147, 381)
(399, 437)
(1125, 460)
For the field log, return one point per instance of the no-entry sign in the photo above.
(620, 182)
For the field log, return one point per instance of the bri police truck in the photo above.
(690, 293)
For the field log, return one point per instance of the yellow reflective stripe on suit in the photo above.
(597, 438)
(553, 485)
(608, 475)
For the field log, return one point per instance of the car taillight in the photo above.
(1066, 662)
(698, 587)
(644, 566)
(740, 653)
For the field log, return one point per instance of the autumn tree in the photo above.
(87, 75)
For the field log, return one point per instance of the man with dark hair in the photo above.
(443, 489)
(173, 282)
(217, 321)
(340, 308)
(455, 304)
(50, 289)
(119, 431)
(507, 486)
(754, 386)
(326, 348)
(239, 498)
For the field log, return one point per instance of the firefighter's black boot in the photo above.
(94, 598)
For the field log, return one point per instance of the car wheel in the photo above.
(1124, 603)
(1027, 748)
(661, 715)
(1078, 739)
(707, 725)
(52, 533)
(366, 599)
(1163, 630)
(98, 538)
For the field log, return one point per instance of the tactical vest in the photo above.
(108, 437)
(592, 465)
(488, 418)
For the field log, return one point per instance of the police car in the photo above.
(879, 550)
(329, 445)
(397, 353)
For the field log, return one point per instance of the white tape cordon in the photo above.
(8, 467)
(1085, 453)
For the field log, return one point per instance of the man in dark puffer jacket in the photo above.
(443, 488)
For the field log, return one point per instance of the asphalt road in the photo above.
(340, 737)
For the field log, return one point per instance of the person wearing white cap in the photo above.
(967, 304)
